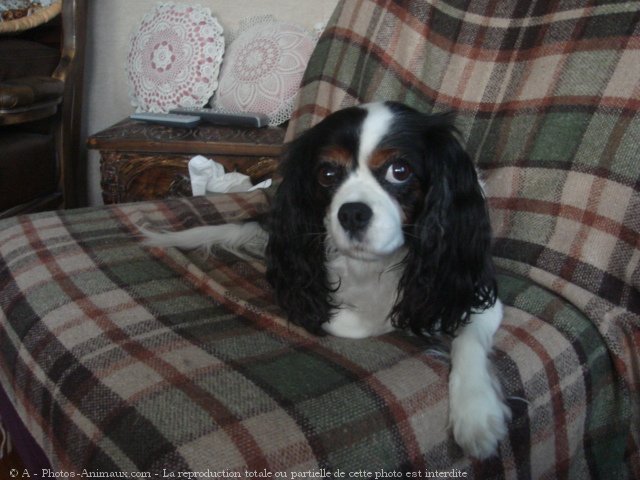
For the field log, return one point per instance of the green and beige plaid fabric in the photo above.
(120, 358)
(547, 97)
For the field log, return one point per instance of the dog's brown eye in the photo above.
(329, 175)
(398, 172)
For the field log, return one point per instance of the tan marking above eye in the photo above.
(336, 155)
(379, 157)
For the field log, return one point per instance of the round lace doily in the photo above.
(263, 68)
(174, 58)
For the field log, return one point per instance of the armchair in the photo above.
(116, 357)
(40, 91)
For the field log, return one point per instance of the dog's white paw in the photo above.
(478, 417)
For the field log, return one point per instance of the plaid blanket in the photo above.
(546, 96)
(119, 358)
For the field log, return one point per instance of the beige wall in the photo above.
(110, 24)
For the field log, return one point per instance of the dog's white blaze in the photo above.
(384, 234)
(374, 128)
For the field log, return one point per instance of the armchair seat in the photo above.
(193, 352)
(40, 92)
(29, 98)
(27, 91)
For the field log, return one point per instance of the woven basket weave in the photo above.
(38, 17)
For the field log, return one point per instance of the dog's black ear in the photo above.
(449, 272)
(296, 248)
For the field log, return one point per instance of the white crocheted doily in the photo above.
(174, 58)
(263, 68)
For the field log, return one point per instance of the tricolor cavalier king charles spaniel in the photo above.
(380, 222)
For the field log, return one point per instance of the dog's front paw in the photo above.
(478, 418)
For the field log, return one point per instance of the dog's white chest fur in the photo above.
(366, 293)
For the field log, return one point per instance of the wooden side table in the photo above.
(143, 161)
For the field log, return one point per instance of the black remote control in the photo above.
(253, 120)
(168, 119)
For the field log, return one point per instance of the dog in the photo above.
(380, 222)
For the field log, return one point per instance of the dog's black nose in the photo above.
(354, 216)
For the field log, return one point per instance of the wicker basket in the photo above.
(38, 17)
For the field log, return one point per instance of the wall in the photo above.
(110, 24)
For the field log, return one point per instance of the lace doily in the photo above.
(174, 58)
(263, 68)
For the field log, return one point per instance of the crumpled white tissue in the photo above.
(208, 176)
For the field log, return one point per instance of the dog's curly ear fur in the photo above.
(296, 248)
(449, 271)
